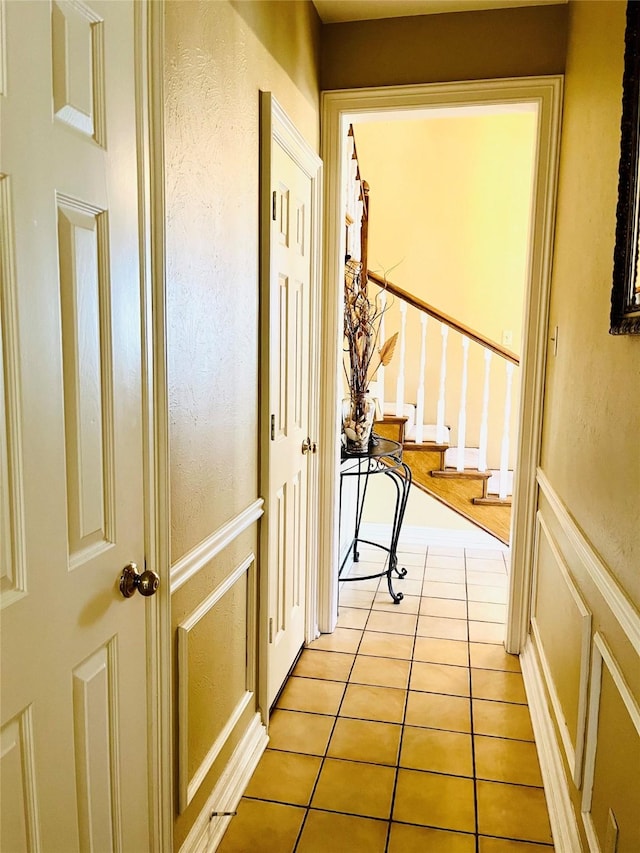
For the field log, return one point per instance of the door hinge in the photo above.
(273, 427)
(271, 630)
(273, 205)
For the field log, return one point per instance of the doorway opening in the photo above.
(536, 97)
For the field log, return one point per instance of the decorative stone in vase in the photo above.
(358, 412)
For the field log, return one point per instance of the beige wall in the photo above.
(450, 203)
(218, 56)
(586, 571)
(439, 48)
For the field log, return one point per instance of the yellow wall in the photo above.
(450, 203)
(218, 56)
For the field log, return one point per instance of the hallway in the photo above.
(407, 728)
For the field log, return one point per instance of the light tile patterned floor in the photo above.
(407, 729)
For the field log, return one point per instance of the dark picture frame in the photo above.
(625, 293)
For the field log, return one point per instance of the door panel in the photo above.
(73, 649)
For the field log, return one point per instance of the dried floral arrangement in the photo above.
(364, 355)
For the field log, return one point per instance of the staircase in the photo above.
(466, 463)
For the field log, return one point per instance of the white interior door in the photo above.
(74, 733)
(290, 445)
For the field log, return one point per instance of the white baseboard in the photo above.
(210, 825)
(433, 536)
(564, 825)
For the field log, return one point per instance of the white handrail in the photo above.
(440, 434)
(484, 425)
(504, 448)
(420, 391)
(403, 346)
(462, 413)
(383, 338)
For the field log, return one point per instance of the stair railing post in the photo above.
(440, 434)
(403, 347)
(504, 449)
(484, 424)
(380, 374)
(420, 392)
(462, 413)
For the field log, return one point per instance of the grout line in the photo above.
(473, 740)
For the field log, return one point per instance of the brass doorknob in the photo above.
(131, 580)
(306, 446)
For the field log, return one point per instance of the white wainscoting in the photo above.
(602, 655)
(573, 744)
(189, 784)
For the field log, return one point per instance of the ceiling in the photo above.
(337, 11)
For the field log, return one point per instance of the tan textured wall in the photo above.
(591, 452)
(219, 55)
(438, 48)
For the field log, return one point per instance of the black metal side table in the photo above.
(383, 456)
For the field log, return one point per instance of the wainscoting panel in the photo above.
(611, 797)
(561, 627)
(216, 674)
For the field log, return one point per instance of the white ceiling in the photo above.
(335, 11)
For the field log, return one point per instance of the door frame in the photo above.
(277, 128)
(339, 108)
(149, 74)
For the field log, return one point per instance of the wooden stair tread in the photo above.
(425, 445)
(492, 500)
(467, 474)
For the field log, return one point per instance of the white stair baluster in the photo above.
(420, 393)
(462, 414)
(400, 380)
(380, 374)
(504, 449)
(484, 425)
(440, 434)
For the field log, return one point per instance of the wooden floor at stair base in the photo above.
(457, 493)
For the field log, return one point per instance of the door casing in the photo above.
(339, 109)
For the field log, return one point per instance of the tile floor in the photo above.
(407, 729)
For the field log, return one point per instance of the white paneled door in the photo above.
(291, 447)
(74, 729)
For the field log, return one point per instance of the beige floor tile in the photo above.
(435, 711)
(482, 611)
(512, 811)
(363, 740)
(499, 578)
(487, 656)
(410, 558)
(351, 596)
(267, 827)
(437, 650)
(450, 608)
(340, 640)
(408, 586)
(486, 632)
(408, 604)
(419, 839)
(294, 731)
(485, 554)
(360, 583)
(392, 623)
(440, 678)
(445, 575)
(352, 617)
(492, 594)
(500, 686)
(365, 567)
(310, 694)
(348, 834)
(503, 760)
(331, 665)
(442, 561)
(436, 589)
(363, 702)
(437, 751)
(386, 645)
(284, 777)
(502, 719)
(350, 786)
(380, 672)
(505, 845)
(442, 628)
(434, 800)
